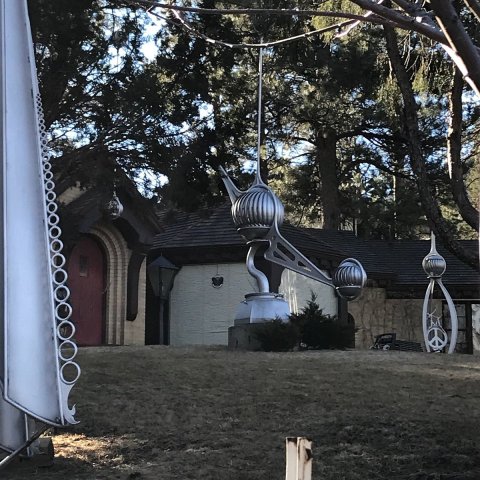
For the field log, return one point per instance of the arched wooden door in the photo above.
(86, 280)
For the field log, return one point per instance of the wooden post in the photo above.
(299, 458)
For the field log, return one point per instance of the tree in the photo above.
(104, 101)
(451, 25)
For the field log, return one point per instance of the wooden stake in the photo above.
(299, 458)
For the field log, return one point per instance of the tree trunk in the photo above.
(454, 153)
(326, 159)
(427, 197)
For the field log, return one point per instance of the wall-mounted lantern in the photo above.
(161, 273)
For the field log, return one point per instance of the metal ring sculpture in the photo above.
(435, 336)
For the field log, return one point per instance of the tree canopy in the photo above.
(364, 123)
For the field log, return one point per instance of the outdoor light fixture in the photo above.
(161, 273)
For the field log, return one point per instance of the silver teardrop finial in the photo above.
(434, 264)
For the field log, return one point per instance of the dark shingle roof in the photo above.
(214, 227)
(398, 261)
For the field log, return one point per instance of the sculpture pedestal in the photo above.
(242, 337)
(261, 308)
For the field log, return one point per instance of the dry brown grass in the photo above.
(210, 414)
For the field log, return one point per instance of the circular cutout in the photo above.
(52, 207)
(53, 219)
(59, 276)
(70, 372)
(63, 311)
(65, 330)
(49, 185)
(54, 232)
(61, 293)
(67, 350)
(58, 260)
(50, 196)
(48, 175)
(56, 246)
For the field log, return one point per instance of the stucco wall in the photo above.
(135, 331)
(200, 313)
(298, 291)
(374, 314)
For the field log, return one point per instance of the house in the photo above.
(212, 279)
(106, 260)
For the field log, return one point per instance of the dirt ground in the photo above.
(209, 414)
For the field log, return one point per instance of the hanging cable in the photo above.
(258, 178)
(342, 28)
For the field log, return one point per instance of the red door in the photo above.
(86, 280)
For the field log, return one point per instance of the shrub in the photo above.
(276, 336)
(317, 330)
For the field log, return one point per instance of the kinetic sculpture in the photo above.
(37, 367)
(258, 214)
(435, 336)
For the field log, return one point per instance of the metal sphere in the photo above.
(434, 265)
(255, 210)
(114, 208)
(349, 279)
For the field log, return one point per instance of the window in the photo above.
(83, 266)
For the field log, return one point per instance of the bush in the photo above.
(317, 330)
(276, 336)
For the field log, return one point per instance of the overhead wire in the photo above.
(342, 28)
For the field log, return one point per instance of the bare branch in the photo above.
(405, 21)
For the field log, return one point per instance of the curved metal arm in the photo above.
(260, 277)
(232, 190)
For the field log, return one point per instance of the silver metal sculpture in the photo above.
(37, 367)
(258, 213)
(435, 337)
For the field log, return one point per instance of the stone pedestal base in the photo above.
(261, 308)
(242, 337)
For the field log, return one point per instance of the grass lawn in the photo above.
(211, 414)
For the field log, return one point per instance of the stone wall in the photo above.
(375, 314)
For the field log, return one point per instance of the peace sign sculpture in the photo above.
(435, 336)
